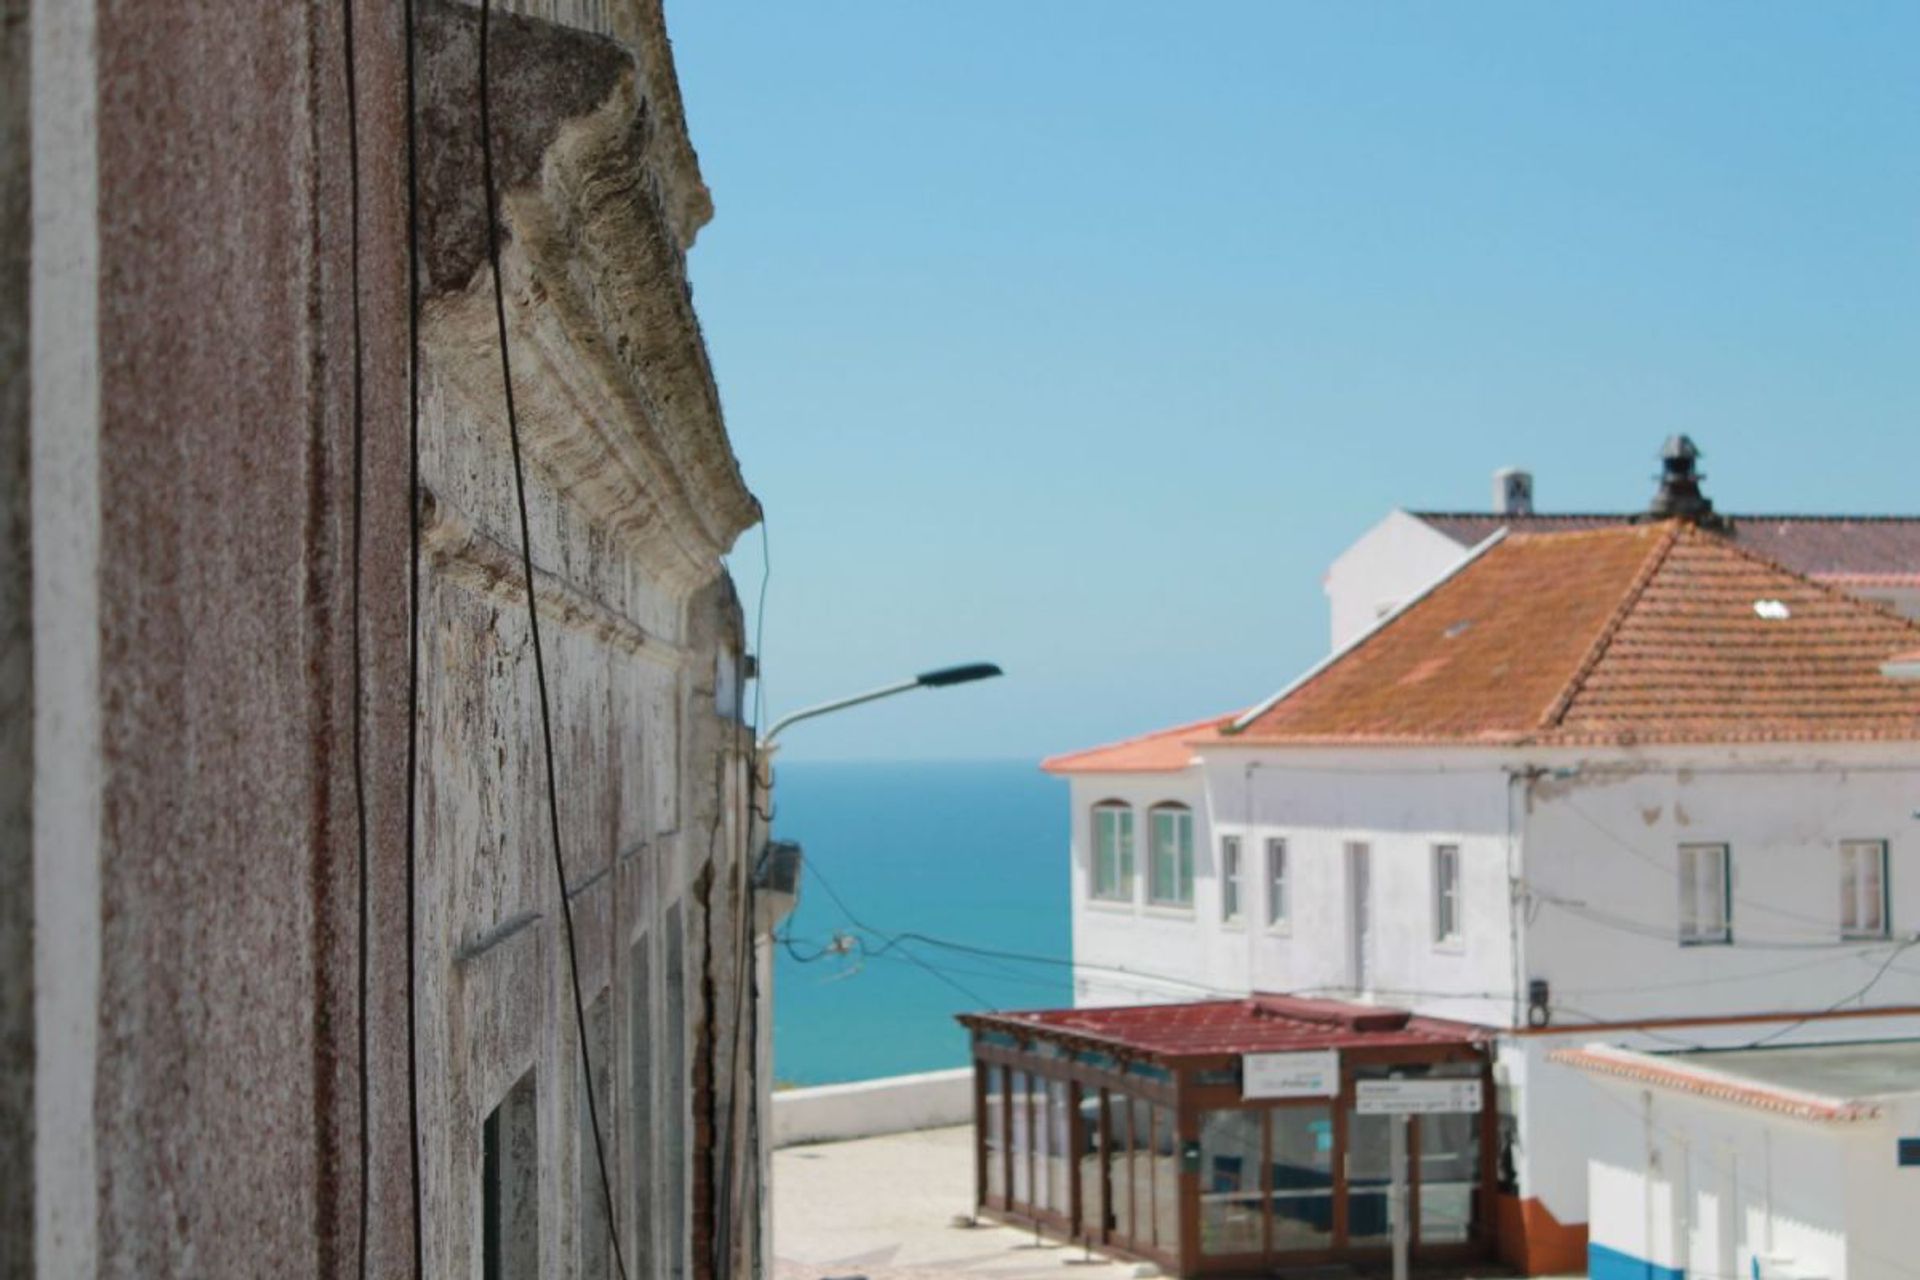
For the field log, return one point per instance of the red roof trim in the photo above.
(1216, 1028)
(1647, 1069)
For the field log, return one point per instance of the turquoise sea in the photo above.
(974, 854)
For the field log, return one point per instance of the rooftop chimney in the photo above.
(1679, 493)
(1512, 492)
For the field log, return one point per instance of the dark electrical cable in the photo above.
(413, 640)
(533, 626)
(356, 664)
(760, 640)
(1837, 1005)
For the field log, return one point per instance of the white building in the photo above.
(1781, 1164)
(1877, 557)
(1636, 781)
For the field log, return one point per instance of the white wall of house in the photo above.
(1699, 1187)
(1384, 567)
(1561, 1118)
(1601, 854)
(1399, 805)
(1132, 952)
(1594, 844)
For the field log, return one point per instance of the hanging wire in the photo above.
(533, 625)
(356, 663)
(413, 642)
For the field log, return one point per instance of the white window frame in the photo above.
(1446, 895)
(1697, 889)
(1856, 902)
(1180, 851)
(1232, 880)
(1279, 887)
(1121, 889)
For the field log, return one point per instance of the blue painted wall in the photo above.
(1611, 1264)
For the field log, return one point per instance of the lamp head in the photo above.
(957, 675)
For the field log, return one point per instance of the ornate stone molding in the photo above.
(615, 396)
(477, 562)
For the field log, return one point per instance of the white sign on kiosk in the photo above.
(1314, 1074)
(1415, 1097)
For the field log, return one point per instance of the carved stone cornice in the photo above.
(688, 204)
(615, 396)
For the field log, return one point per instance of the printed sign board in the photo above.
(1290, 1075)
(1415, 1097)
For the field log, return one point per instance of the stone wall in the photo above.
(238, 1023)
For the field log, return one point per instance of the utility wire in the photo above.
(1669, 872)
(413, 640)
(533, 625)
(356, 663)
(760, 635)
(1835, 1007)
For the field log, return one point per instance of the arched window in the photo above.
(1113, 851)
(1170, 855)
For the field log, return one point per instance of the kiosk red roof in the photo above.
(1212, 1028)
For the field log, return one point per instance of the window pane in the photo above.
(1142, 1172)
(1106, 855)
(1059, 1194)
(1446, 888)
(1170, 858)
(1092, 1210)
(1369, 1172)
(1126, 852)
(1120, 1167)
(1185, 827)
(1022, 1142)
(1449, 1173)
(1042, 1148)
(1230, 1193)
(1863, 888)
(1230, 877)
(1166, 1183)
(1713, 891)
(1276, 881)
(1872, 887)
(996, 1135)
(1302, 1178)
(1689, 895)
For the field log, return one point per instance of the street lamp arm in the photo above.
(925, 680)
(838, 704)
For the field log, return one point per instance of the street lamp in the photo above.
(775, 886)
(966, 673)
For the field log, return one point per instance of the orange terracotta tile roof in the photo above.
(1631, 633)
(1163, 751)
(1644, 1068)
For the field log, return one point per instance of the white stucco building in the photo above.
(1636, 782)
(1781, 1164)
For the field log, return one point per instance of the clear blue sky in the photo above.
(1082, 334)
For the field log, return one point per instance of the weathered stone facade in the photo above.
(186, 1054)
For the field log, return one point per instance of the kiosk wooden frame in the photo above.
(1113, 1127)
